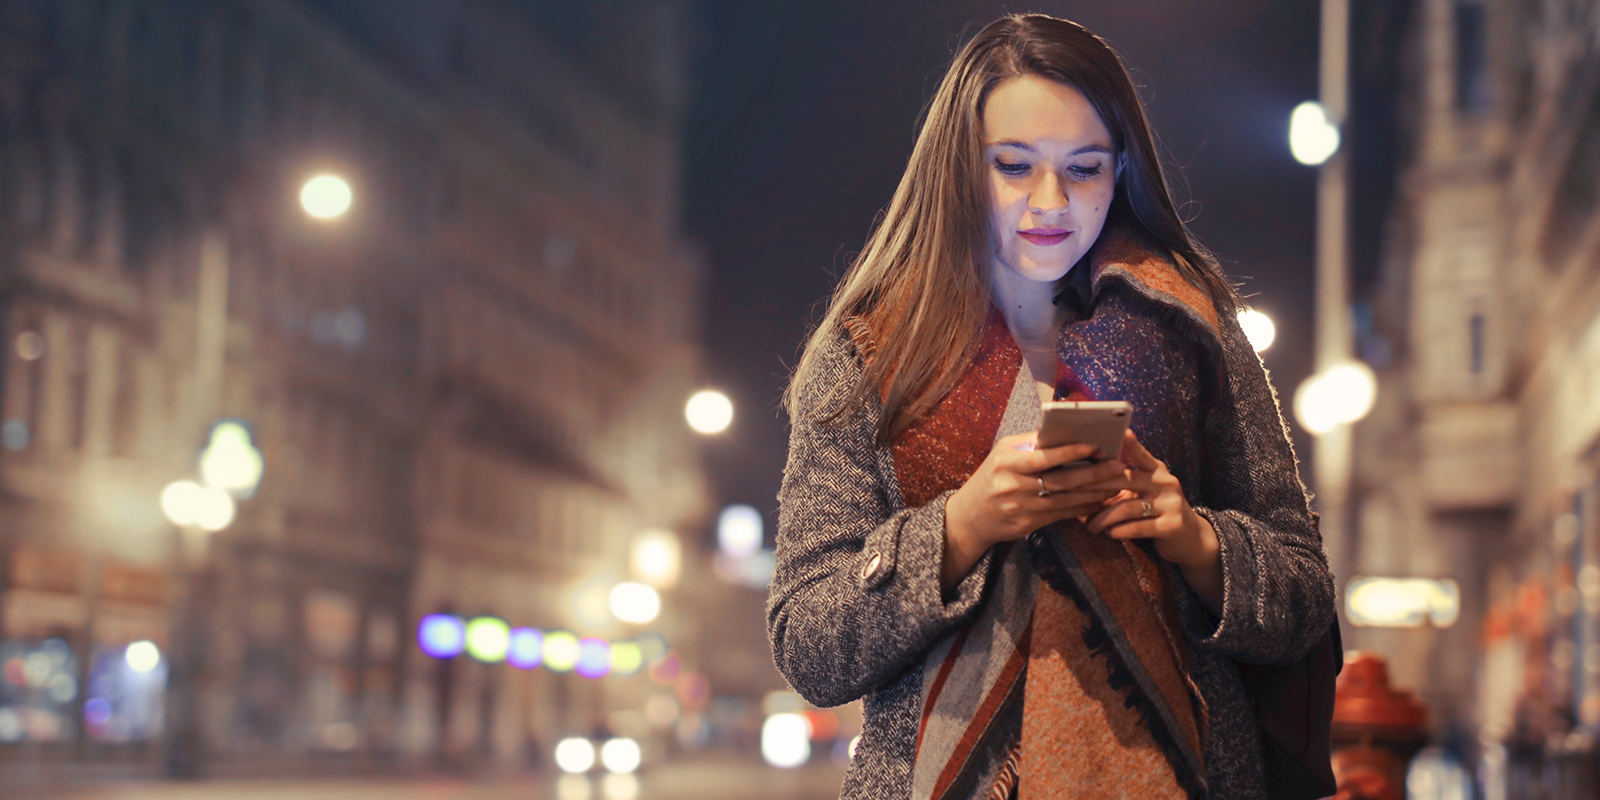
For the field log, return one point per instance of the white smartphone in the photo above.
(1097, 422)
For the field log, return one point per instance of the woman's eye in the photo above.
(1011, 169)
(1084, 173)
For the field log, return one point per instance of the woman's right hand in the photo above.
(1001, 501)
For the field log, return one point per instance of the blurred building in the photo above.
(467, 390)
(1481, 462)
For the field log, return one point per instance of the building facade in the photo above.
(1479, 462)
(467, 390)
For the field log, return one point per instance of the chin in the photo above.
(1046, 272)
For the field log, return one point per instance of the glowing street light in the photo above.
(231, 461)
(1258, 328)
(561, 651)
(635, 603)
(1313, 139)
(142, 656)
(1402, 602)
(190, 505)
(620, 755)
(1339, 395)
(739, 530)
(786, 740)
(488, 639)
(656, 558)
(709, 412)
(575, 755)
(326, 196)
(442, 635)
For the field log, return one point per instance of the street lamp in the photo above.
(230, 466)
(1339, 395)
(709, 412)
(326, 196)
(1258, 328)
(1313, 138)
(656, 558)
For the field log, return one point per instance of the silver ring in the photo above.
(1043, 491)
(1144, 508)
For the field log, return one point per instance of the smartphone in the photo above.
(1097, 422)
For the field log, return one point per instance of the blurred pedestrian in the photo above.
(1020, 623)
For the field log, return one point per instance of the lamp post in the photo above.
(230, 468)
(709, 412)
(1336, 388)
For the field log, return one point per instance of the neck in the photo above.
(1028, 307)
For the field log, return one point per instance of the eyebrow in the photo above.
(1021, 145)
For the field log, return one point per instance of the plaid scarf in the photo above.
(1072, 680)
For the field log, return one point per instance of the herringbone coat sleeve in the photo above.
(1278, 598)
(855, 599)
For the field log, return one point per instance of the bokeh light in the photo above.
(1336, 396)
(786, 740)
(1402, 602)
(590, 603)
(231, 461)
(709, 412)
(1312, 138)
(575, 755)
(142, 656)
(526, 648)
(442, 635)
(656, 558)
(651, 646)
(620, 755)
(189, 504)
(560, 651)
(635, 603)
(488, 639)
(665, 670)
(1258, 328)
(626, 658)
(739, 530)
(594, 658)
(619, 786)
(326, 196)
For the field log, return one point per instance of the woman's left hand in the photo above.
(1153, 507)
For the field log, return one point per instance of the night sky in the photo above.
(804, 115)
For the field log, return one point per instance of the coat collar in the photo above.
(1122, 255)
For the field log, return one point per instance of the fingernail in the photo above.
(1023, 446)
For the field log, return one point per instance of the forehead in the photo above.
(1042, 113)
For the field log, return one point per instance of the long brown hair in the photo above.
(921, 282)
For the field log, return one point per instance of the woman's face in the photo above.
(1051, 177)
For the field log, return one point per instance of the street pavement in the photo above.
(712, 779)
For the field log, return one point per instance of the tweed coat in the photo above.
(855, 605)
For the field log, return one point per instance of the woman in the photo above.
(1017, 624)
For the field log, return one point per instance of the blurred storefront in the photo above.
(1480, 465)
(467, 391)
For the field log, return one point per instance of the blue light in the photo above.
(594, 658)
(527, 648)
(442, 635)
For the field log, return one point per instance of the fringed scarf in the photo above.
(1072, 681)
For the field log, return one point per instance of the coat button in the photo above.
(870, 568)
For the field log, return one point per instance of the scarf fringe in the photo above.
(1120, 679)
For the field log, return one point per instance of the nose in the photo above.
(1048, 196)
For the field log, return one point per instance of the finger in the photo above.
(1052, 457)
(1023, 442)
(1137, 455)
(1111, 474)
(1089, 501)
(1135, 529)
(1129, 510)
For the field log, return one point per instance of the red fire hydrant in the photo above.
(1376, 731)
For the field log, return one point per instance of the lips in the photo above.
(1045, 236)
